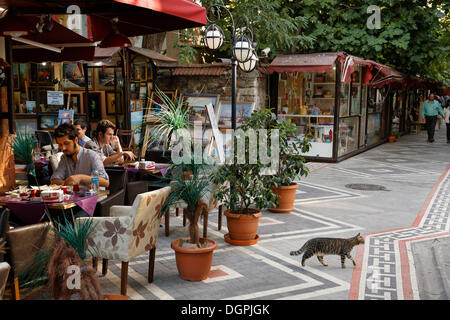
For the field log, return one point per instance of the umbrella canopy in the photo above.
(136, 17)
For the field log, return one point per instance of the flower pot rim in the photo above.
(228, 239)
(174, 245)
(256, 213)
(293, 185)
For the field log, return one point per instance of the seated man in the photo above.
(76, 162)
(81, 127)
(101, 144)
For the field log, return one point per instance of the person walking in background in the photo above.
(447, 120)
(431, 109)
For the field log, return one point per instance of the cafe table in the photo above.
(32, 211)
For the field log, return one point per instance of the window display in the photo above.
(348, 135)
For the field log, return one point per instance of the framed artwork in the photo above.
(75, 103)
(139, 71)
(155, 103)
(74, 77)
(111, 102)
(132, 87)
(136, 125)
(48, 122)
(243, 111)
(226, 136)
(104, 78)
(21, 74)
(26, 126)
(42, 74)
(65, 116)
(197, 104)
(150, 130)
(134, 105)
(94, 105)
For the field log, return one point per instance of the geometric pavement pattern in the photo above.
(385, 266)
(242, 272)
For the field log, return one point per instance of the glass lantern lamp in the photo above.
(250, 64)
(213, 37)
(242, 49)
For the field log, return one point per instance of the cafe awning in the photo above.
(157, 58)
(32, 47)
(136, 17)
(320, 62)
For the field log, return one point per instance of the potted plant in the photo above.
(194, 254)
(394, 136)
(291, 166)
(243, 188)
(23, 146)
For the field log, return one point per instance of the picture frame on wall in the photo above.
(197, 104)
(243, 111)
(76, 101)
(111, 102)
(155, 102)
(94, 105)
(74, 78)
(104, 78)
(139, 71)
(26, 126)
(48, 122)
(42, 73)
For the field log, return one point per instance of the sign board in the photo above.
(216, 133)
(55, 98)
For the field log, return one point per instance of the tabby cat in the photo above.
(324, 246)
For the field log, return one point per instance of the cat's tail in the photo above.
(299, 251)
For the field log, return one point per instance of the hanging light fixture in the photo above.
(213, 37)
(250, 64)
(115, 38)
(242, 48)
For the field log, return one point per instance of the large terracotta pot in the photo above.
(286, 198)
(194, 264)
(114, 297)
(242, 227)
(391, 139)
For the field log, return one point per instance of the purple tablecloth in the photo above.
(32, 212)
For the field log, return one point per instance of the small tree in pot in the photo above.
(291, 166)
(243, 188)
(194, 256)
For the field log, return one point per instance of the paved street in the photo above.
(406, 227)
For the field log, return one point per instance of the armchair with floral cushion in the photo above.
(129, 232)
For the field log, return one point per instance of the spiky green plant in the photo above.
(23, 146)
(189, 182)
(171, 117)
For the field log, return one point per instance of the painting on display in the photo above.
(243, 111)
(94, 105)
(104, 78)
(155, 102)
(73, 76)
(139, 71)
(75, 101)
(197, 106)
(111, 102)
(65, 116)
(26, 126)
(136, 125)
(49, 122)
(42, 73)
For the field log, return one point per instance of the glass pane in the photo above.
(362, 138)
(373, 128)
(348, 135)
(344, 99)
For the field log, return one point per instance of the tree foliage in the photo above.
(413, 38)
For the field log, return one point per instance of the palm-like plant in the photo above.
(171, 117)
(191, 190)
(23, 146)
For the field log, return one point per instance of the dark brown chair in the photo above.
(23, 243)
(4, 226)
(133, 189)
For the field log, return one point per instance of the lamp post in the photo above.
(243, 52)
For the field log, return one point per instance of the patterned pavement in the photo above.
(416, 207)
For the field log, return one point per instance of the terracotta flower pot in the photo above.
(286, 198)
(391, 139)
(242, 227)
(114, 297)
(194, 264)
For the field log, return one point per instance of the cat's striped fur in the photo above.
(326, 246)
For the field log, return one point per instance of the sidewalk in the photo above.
(414, 209)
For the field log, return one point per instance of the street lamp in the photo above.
(243, 51)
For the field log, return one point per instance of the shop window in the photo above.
(373, 128)
(348, 135)
(345, 87)
(355, 93)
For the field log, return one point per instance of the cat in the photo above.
(324, 246)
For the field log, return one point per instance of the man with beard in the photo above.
(77, 163)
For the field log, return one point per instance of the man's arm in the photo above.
(423, 109)
(85, 179)
(111, 159)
